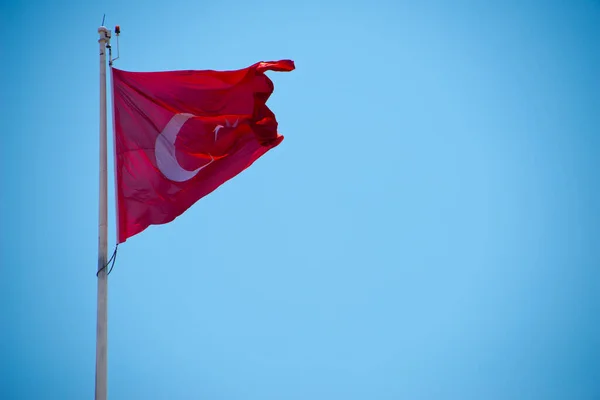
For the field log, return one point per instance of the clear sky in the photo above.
(428, 229)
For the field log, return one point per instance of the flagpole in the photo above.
(102, 312)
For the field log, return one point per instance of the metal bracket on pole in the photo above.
(110, 59)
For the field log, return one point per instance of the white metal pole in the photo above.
(102, 315)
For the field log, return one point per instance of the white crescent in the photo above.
(164, 151)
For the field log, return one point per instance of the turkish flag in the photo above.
(179, 135)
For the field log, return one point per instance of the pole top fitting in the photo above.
(104, 33)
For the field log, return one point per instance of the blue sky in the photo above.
(428, 229)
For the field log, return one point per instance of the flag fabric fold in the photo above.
(179, 135)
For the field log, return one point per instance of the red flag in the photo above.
(179, 135)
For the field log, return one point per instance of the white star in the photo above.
(227, 125)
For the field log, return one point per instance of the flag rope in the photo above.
(112, 259)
